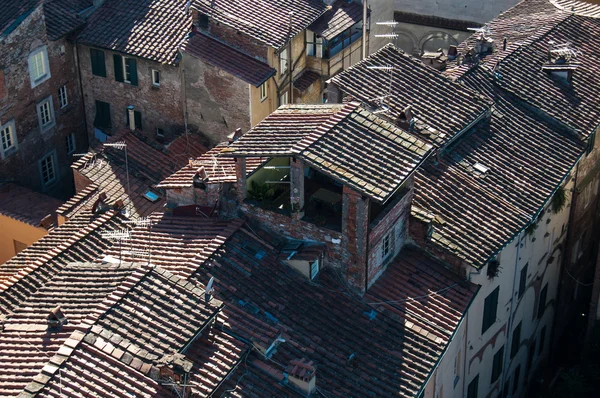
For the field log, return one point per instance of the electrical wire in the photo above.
(577, 280)
(240, 378)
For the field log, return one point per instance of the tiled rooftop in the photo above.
(152, 29)
(586, 9)
(441, 108)
(340, 18)
(323, 322)
(354, 146)
(219, 169)
(267, 21)
(25, 205)
(527, 158)
(61, 16)
(177, 244)
(148, 163)
(233, 61)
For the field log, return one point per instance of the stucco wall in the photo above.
(11, 230)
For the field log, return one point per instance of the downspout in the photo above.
(367, 248)
(364, 30)
(87, 132)
(290, 67)
(183, 86)
(511, 319)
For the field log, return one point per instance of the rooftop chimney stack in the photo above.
(130, 110)
(302, 374)
(56, 318)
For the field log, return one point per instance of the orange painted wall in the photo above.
(12, 230)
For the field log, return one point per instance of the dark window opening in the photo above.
(497, 364)
(489, 310)
(102, 119)
(516, 341)
(98, 62)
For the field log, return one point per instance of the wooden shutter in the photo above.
(516, 340)
(497, 364)
(133, 71)
(98, 63)
(473, 388)
(118, 60)
(489, 310)
(102, 119)
(542, 303)
(137, 118)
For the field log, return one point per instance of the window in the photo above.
(506, 390)
(523, 281)
(263, 91)
(70, 144)
(48, 169)
(98, 62)
(39, 70)
(542, 302)
(155, 78)
(516, 340)
(160, 133)
(62, 97)
(457, 368)
(283, 61)
(125, 70)
(314, 44)
(283, 100)
(516, 378)
(8, 136)
(489, 310)
(473, 387)
(102, 119)
(314, 269)
(46, 114)
(137, 117)
(497, 364)
(542, 340)
(387, 246)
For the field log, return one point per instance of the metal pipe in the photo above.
(364, 30)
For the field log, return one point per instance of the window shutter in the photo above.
(133, 70)
(137, 116)
(489, 310)
(118, 67)
(102, 119)
(98, 63)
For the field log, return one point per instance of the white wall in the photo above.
(534, 250)
(466, 10)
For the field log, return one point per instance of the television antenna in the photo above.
(381, 100)
(122, 146)
(117, 236)
(393, 36)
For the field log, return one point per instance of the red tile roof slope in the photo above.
(235, 62)
(153, 29)
(441, 109)
(25, 205)
(527, 157)
(340, 18)
(325, 323)
(13, 9)
(574, 104)
(583, 8)
(218, 168)
(267, 21)
(177, 244)
(354, 146)
(61, 16)
(79, 239)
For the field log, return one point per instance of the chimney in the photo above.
(235, 135)
(504, 41)
(302, 374)
(176, 367)
(405, 118)
(56, 318)
(191, 162)
(131, 113)
(560, 61)
(100, 205)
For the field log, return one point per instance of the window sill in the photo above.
(263, 99)
(8, 153)
(155, 86)
(47, 129)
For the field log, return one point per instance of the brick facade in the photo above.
(18, 103)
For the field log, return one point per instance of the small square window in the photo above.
(63, 100)
(48, 169)
(263, 91)
(155, 78)
(283, 61)
(8, 138)
(386, 247)
(70, 144)
(45, 114)
(151, 196)
(160, 133)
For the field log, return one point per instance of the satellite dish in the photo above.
(209, 290)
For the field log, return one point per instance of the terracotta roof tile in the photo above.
(61, 17)
(267, 21)
(306, 79)
(235, 62)
(25, 205)
(339, 18)
(441, 109)
(153, 29)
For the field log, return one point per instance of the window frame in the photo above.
(52, 121)
(109, 117)
(155, 77)
(473, 387)
(71, 146)
(263, 92)
(43, 53)
(314, 271)
(283, 62)
(489, 318)
(100, 62)
(62, 92)
(12, 132)
(497, 364)
(52, 156)
(387, 246)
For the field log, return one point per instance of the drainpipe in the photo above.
(290, 67)
(364, 30)
(511, 318)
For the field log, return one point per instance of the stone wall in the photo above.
(161, 107)
(195, 196)
(18, 102)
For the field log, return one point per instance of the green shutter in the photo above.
(497, 364)
(133, 71)
(102, 119)
(98, 63)
(489, 310)
(137, 116)
(542, 303)
(516, 340)
(118, 60)
(473, 388)
(523, 281)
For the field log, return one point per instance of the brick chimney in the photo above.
(56, 318)
(302, 375)
(355, 223)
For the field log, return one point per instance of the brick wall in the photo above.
(160, 107)
(355, 224)
(19, 100)
(238, 40)
(196, 196)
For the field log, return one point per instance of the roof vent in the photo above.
(483, 42)
(302, 374)
(481, 169)
(56, 318)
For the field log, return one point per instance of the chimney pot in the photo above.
(190, 162)
(130, 110)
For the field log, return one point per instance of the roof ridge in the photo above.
(46, 257)
(325, 127)
(77, 199)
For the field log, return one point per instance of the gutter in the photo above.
(244, 357)
(465, 315)
(469, 126)
(208, 323)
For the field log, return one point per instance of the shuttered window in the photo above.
(489, 310)
(516, 340)
(473, 388)
(102, 119)
(137, 117)
(523, 281)
(125, 70)
(98, 62)
(497, 364)
(542, 303)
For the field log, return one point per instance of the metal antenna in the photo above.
(381, 99)
(392, 25)
(122, 146)
(119, 236)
